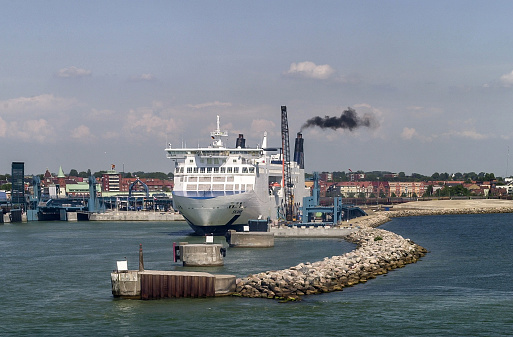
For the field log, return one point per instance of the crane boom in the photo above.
(287, 181)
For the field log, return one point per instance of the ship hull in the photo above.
(217, 215)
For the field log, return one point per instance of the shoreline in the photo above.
(378, 251)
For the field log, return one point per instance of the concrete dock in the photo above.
(250, 239)
(157, 284)
(207, 255)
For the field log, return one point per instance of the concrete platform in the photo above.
(207, 255)
(157, 284)
(311, 232)
(250, 239)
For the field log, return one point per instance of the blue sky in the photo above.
(87, 84)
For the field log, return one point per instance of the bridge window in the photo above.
(244, 170)
(195, 170)
(189, 170)
(223, 169)
(235, 170)
(202, 170)
(251, 170)
(216, 169)
(229, 170)
(209, 170)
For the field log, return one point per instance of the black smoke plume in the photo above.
(348, 120)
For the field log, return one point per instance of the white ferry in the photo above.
(218, 188)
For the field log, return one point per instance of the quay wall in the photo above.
(378, 252)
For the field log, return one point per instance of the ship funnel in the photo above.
(240, 142)
(299, 156)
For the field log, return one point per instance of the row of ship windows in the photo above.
(219, 187)
(215, 169)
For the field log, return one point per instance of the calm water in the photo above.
(55, 280)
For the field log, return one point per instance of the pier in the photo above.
(158, 284)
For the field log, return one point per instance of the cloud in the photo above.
(209, 104)
(309, 69)
(144, 77)
(30, 130)
(258, 126)
(81, 132)
(408, 133)
(144, 122)
(3, 127)
(471, 134)
(73, 72)
(36, 104)
(507, 79)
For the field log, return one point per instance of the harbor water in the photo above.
(55, 280)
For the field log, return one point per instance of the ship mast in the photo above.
(217, 134)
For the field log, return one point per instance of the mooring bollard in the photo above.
(141, 261)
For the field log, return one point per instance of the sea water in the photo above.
(55, 281)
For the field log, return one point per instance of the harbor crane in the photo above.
(287, 181)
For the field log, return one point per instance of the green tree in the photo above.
(429, 191)
(73, 173)
(6, 187)
(458, 176)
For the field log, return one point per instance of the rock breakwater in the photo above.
(378, 251)
(447, 211)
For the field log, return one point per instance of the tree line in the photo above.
(401, 176)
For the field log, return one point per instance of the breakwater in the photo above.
(378, 251)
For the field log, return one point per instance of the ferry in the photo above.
(217, 188)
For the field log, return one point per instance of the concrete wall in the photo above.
(250, 239)
(312, 232)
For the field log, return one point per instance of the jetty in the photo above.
(378, 252)
(157, 284)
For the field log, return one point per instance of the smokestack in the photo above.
(299, 155)
(347, 120)
(240, 142)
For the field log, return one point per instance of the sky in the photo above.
(88, 84)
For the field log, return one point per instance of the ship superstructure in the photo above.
(218, 188)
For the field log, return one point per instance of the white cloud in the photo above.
(3, 127)
(471, 134)
(309, 69)
(258, 126)
(31, 130)
(36, 104)
(71, 72)
(209, 104)
(408, 133)
(144, 77)
(507, 79)
(80, 132)
(144, 121)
